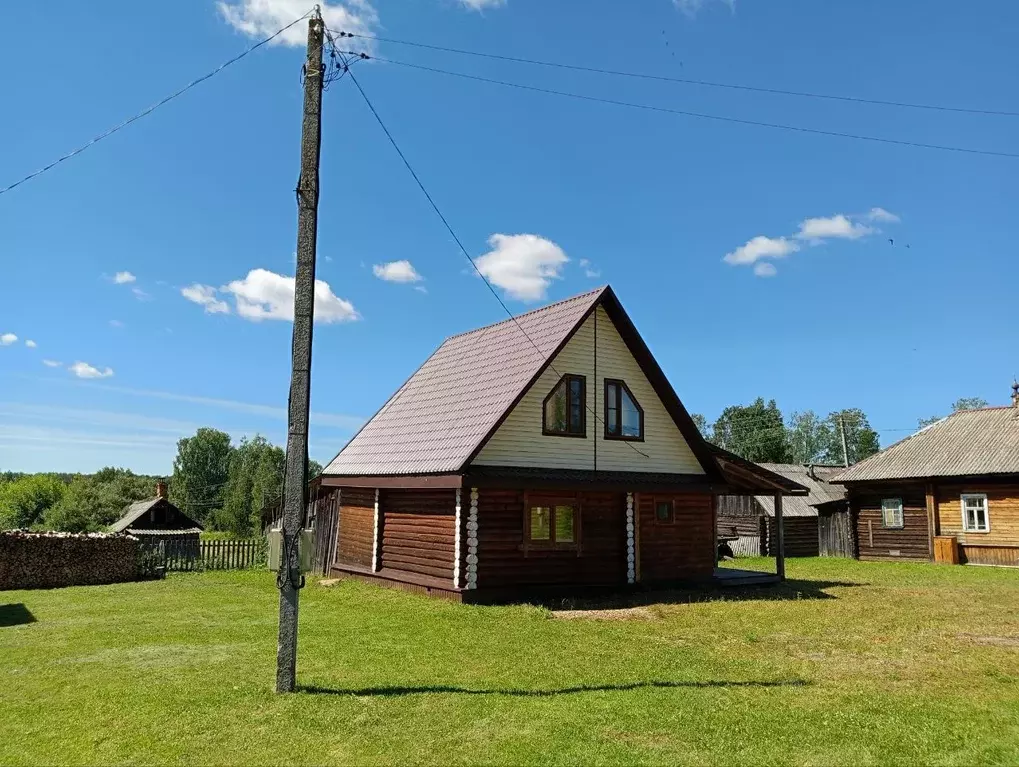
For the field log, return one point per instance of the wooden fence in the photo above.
(189, 555)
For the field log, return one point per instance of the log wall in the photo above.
(599, 559)
(356, 529)
(418, 531)
(683, 549)
(800, 533)
(877, 542)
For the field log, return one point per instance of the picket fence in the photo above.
(189, 555)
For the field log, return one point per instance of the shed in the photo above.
(157, 520)
(813, 524)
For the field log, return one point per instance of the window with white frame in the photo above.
(974, 513)
(891, 512)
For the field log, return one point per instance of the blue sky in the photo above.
(556, 196)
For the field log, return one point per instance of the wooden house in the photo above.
(815, 524)
(157, 519)
(548, 451)
(953, 483)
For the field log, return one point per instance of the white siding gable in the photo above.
(519, 442)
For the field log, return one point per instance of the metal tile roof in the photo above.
(434, 422)
(968, 442)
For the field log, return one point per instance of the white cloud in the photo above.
(261, 18)
(589, 269)
(691, 7)
(880, 214)
(480, 5)
(397, 271)
(523, 265)
(420, 288)
(116, 324)
(31, 344)
(120, 278)
(7, 339)
(761, 247)
(84, 370)
(140, 294)
(265, 295)
(840, 226)
(52, 363)
(765, 269)
(205, 295)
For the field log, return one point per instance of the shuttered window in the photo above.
(891, 512)
(974, 513)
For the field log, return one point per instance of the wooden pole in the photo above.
(780, 534)
(296, 479)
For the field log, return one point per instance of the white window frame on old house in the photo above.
(982, 498)
(893, 505)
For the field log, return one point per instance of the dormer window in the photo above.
(565, 408)
(624, 417)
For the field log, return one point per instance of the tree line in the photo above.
(221, 485)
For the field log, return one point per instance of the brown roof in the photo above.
(966, 443)
(445, 412)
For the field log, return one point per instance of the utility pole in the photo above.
(289, 577)
(845, 448)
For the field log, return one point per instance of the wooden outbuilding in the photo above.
(546, 453)
(950, 492)
(158, 520)
(815, 524)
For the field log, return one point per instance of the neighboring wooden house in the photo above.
(814, 524)
(156, 519)
(957, 478)
(544, 451)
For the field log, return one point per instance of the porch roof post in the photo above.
(780, 534)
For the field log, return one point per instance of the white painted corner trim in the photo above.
(375, 536)
(456, 544)
(631, 556)
(472, 541)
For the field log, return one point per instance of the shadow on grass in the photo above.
(397, 691)
(15, 615)
(788, 591)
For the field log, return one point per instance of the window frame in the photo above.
(552, 501)
(672, 510)
(619, 406)
(568, 378)
(987, 512)
(902, 514)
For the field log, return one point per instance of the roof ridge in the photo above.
(517, 317)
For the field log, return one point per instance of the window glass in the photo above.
(891, 512)
(564, 521)
(576, 406)
(555, 409)
(541, 523)
(631, 415)
(664, 511)
(975, 513)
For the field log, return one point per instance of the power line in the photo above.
(686, 113)
(685, 81)
(456, 239)
(155, 106)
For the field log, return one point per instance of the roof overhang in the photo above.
(398, 481)
(746, 477)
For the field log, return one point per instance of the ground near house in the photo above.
(849, 663)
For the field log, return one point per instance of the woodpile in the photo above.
(31, 560)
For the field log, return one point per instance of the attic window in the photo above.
(624, 417)
(565, 408)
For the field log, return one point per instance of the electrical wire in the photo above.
(155, 106)
(683, 80)
(460, 244)
(687, 113)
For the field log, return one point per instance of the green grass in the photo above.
(849, 663)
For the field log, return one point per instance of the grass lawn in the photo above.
(849, 663)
